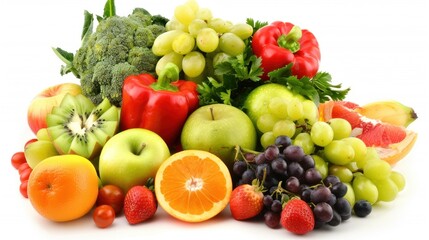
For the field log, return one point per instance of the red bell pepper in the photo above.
(282, 43)
(161, 105)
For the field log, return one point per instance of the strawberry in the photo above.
(246, 201)
(297, 217)
(139, 204)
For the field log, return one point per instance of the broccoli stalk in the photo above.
(120, 46)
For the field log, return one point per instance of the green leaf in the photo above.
(109, 9)
(87, 25)
(66, 57)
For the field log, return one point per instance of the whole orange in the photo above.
(63, 188)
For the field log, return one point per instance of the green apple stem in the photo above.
(212, 113)
(139, 149)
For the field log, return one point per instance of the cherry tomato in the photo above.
(23, 167)
(17, 159)
(103, 216)
(23, 188)
(111, 195)
(25, 174)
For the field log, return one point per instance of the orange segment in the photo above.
(193, 185)
(397, 151)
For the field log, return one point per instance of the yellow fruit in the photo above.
(193, 185)
(390, 111)
(63, 188)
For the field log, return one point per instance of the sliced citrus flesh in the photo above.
(392, 142)
(193, 185)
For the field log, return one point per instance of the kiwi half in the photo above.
(79, 127)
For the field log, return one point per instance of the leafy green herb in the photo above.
(255, 24)
(318, 89)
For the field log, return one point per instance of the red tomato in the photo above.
(23, 188)
(103, 216)
(23, 167)
(25, 174)
(111, 195)
(17, 159)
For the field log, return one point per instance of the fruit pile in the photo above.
(213, 126)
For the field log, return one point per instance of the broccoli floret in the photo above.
(119, 46)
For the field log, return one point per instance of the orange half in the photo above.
(193, 185)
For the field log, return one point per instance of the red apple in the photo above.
(44, 101)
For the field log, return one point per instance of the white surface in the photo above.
(378, 48)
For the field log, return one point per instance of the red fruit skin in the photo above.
(18, 159)
(297, 217)
(246, 202)
(23, 188)
(139, 204)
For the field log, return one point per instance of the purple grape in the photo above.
(293, 153)
(279, 165)
(295, 169)
(276, 206)
(260, 158)
(336, 219)
(323, 212)
(362, 208)
(271, 153)
(307, 162)
(272, 219)
(268, 200)
(293, 184)
(283, 141)
(239, 167)
(330, 180)
(312, 176)
(320, 194)
(339, 189)
(343, 207)
(248, 176)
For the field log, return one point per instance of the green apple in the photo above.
(38, 151)
(218, 128)
(256, 103)
(131, 157)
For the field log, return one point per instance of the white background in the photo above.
(378, 48)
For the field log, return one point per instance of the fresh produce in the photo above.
(297, 217)
(193, 185)
(119, 46)
(282, 43)
(111, 195)
(248, 124)
(195, 40)
(392, 142)
(103, 216)
(77, 126)
(38, 151)
(247, 200)
(139, 204)
(391, 111)
(161, 105)
(218, 128)
(63, 188)
(44, 101)
(131, 157)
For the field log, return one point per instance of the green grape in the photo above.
(371, 153)
(193, 64)
(207, 40)
(184, 13)
(387, 190)
(304, 140)
(277, 106)
(195, 27)
(350, 194)
(267, 139)
(398, 179)
(339, 152)
(242, 30)
(174, 24)
(171, 57)
(364, 189)
(231, 44)
(377, 169)
(183, 44)
(352, 166)
(265, 122)
(219, 25)
(342, 172)
(163, 44)
(321, 133)
(295, 110)
(359, 148)
(341, 128)
(204, 14)
(321, 165)
(284, 127)
(193, 4)
(311, 112)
